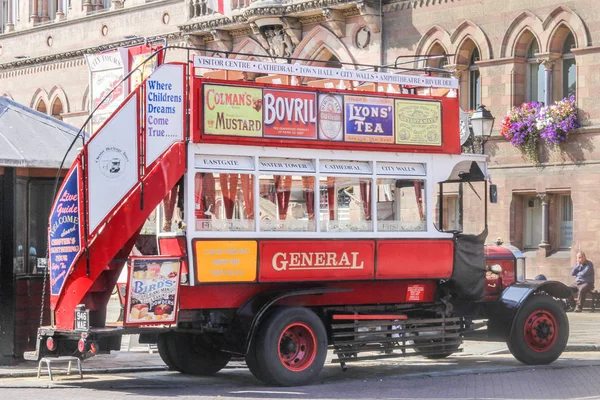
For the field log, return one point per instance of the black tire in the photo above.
(540, 331)
(164, 352)
(194, 355)
(435, 352)
(289, 347)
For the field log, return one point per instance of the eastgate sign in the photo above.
(323, 72)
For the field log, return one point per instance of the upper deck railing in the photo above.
(341, 74)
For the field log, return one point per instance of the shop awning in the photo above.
(30, 139)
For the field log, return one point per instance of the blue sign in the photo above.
(65, 232)
(369, 119)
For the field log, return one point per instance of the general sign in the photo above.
(225, 261)
(153, 288)
(164, 110)
(418, 122)
(331, 116)
(233, 110)
(290, 114)
(65, 231)
(369, 119)
(314, 260)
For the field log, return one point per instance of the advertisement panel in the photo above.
(141, 64)
(418, 122)
(226, 260)
(112, 162)
(369, 119)
(290, 114)
(314, 260)
(164, 110)
(152, 291)
(107, 71)
(64, 236)
(233, 110)
(331, 117)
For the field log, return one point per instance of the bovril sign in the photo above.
(290, 114)
(316, 260)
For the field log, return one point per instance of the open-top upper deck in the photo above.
(316, 107)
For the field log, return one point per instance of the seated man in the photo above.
(584, 281)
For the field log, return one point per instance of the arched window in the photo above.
(3, 15)
(535, 75)
(569, 76)
(474, 81)
(57, 109)
(333, 62)
(436, 57)
(41, 106)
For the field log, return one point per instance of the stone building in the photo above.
(503, 52)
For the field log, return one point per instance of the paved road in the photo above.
(573, 376)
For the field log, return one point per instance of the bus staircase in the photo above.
(105, 250)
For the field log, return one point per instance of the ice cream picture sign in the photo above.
(152, 291)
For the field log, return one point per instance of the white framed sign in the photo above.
(153, 289)
(112, 162)
(107, 71)
(164, 110)
(345, 167)
(202, 161)
(391, 168)
(285, 165)
(323, 72)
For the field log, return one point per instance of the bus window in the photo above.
(345, 204)
(224, 202)
(474, 207)
(287, 203)
(447, 202)
(460, 207)
(400, 205)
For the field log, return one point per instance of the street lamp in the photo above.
(482, 122)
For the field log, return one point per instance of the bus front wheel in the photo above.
(540, 331)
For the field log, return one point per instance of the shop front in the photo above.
(32, 146)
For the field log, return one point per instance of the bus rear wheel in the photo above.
(194, 354)
(540, 331)
(163, 351)
(289, 347)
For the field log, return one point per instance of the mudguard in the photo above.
(245, 322)
(504, 311)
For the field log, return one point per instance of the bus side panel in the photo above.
(232, 296)
(316, 260)
(414, 259)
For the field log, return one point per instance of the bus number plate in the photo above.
(82, 320)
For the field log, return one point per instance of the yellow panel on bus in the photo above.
(226, 260)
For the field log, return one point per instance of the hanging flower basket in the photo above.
(526, 124)
(556, 121)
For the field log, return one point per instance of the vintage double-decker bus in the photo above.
(295, 217)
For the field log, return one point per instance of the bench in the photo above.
(65, 359)
(595, 299)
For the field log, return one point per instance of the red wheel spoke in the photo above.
(540, 330)
(297, 347)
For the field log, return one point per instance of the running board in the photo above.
(394, 337)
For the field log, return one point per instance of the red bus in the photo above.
(338, 214)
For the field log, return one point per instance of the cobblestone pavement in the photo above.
(483, 370)
(575, 376)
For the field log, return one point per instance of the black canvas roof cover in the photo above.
(31, 139)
